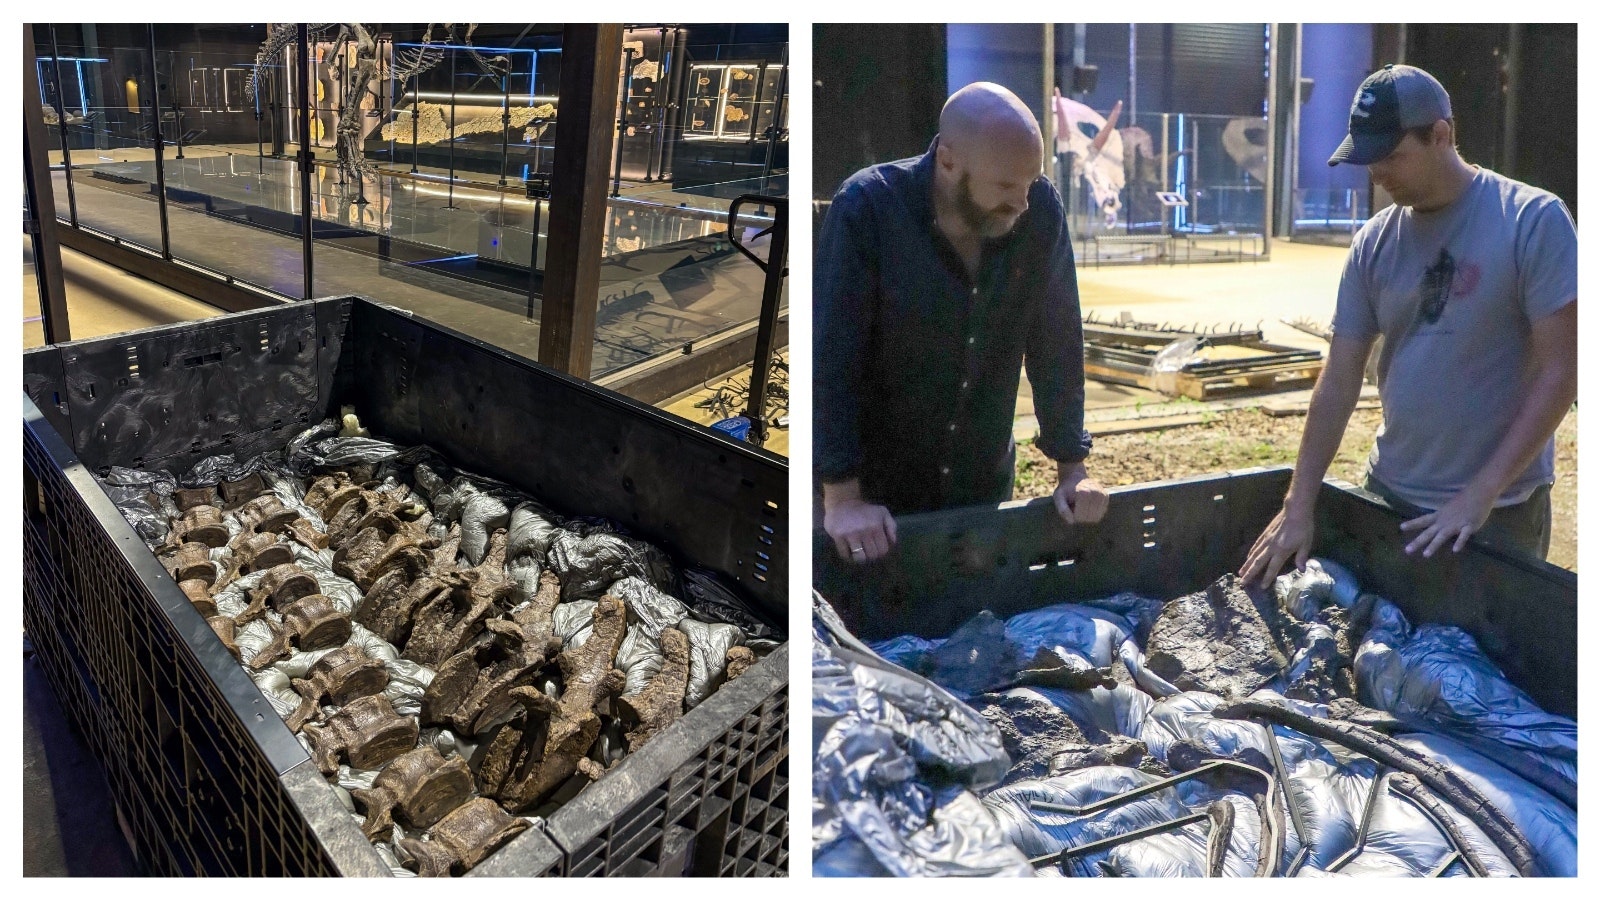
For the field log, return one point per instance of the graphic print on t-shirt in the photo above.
(1435, 288)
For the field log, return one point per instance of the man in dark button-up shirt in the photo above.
(935, 277)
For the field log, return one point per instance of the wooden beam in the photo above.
(586, 117)
(41, 201)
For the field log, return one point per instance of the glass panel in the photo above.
(738, 109)
(32, 319)
(1196, 179)
(771, 82)
(111, 130)
(706, 89)
(230, 207)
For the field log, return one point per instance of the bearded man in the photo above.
(935, 278)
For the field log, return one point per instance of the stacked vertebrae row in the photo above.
(451, 660)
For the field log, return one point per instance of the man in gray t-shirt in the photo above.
(1471, 279)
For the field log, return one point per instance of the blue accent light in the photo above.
(1182, 185)
(442, 259)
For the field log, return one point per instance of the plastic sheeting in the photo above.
(590, 563)
(1181, 852)
(708, 657)
(712, 599)
(131, 489)
(1437, 677)
(1467, 714)
(897, 758)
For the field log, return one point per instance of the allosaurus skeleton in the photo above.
(357, 82)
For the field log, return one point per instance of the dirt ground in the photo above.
(1242, 438)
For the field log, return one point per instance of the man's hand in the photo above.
(1459, 519)
(861, 531)
(1079, 499)
(1287, 537)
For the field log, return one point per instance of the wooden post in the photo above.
(41, 201)
(585, 127)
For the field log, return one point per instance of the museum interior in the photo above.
(311, 307)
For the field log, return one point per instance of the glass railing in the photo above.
(1330, 215)
(1158, 178)
(436, 202)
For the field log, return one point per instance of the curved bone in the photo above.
(1456, 790)
(420, 785)
(203, 524)
(367, 732)
(238, 493)
(188, 498)
(285, 584)
(661, 702)
(341, 675)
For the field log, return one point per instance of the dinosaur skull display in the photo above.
(1096, 151)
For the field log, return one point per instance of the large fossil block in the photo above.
(370, 554)
(443, 625)
(526, 763)
(390, 606)
(367, 732)
(463, 838)
(203, 524)
(309, 623)
(341, 675)
(419, 787)
(1220, 640)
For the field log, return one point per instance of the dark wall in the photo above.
(878, 92)
(1471, 62)
(1190, 68)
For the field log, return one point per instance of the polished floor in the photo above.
(669, 283)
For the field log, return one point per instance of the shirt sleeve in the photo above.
(845, 279)
(1054, 357)
(1355, 316)
(1547, 261)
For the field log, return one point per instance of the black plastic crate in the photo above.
(206, 777)
(1166, 539)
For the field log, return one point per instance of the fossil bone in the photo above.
(463, 838)
(367, 732)
(420, 785)
(661, 702)
(341, 675)
(310, 623)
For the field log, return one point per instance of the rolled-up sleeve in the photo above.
(1055, 351)
(845, 282)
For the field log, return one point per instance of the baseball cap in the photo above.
(1391, 100)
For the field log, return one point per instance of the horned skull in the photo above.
(1096, 150)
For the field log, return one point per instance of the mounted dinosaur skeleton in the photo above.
(359, 80)
(1096, 150)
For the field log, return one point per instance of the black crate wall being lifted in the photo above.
(205, 775)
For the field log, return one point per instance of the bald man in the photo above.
(935, 277)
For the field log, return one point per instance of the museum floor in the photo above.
(666, 281)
